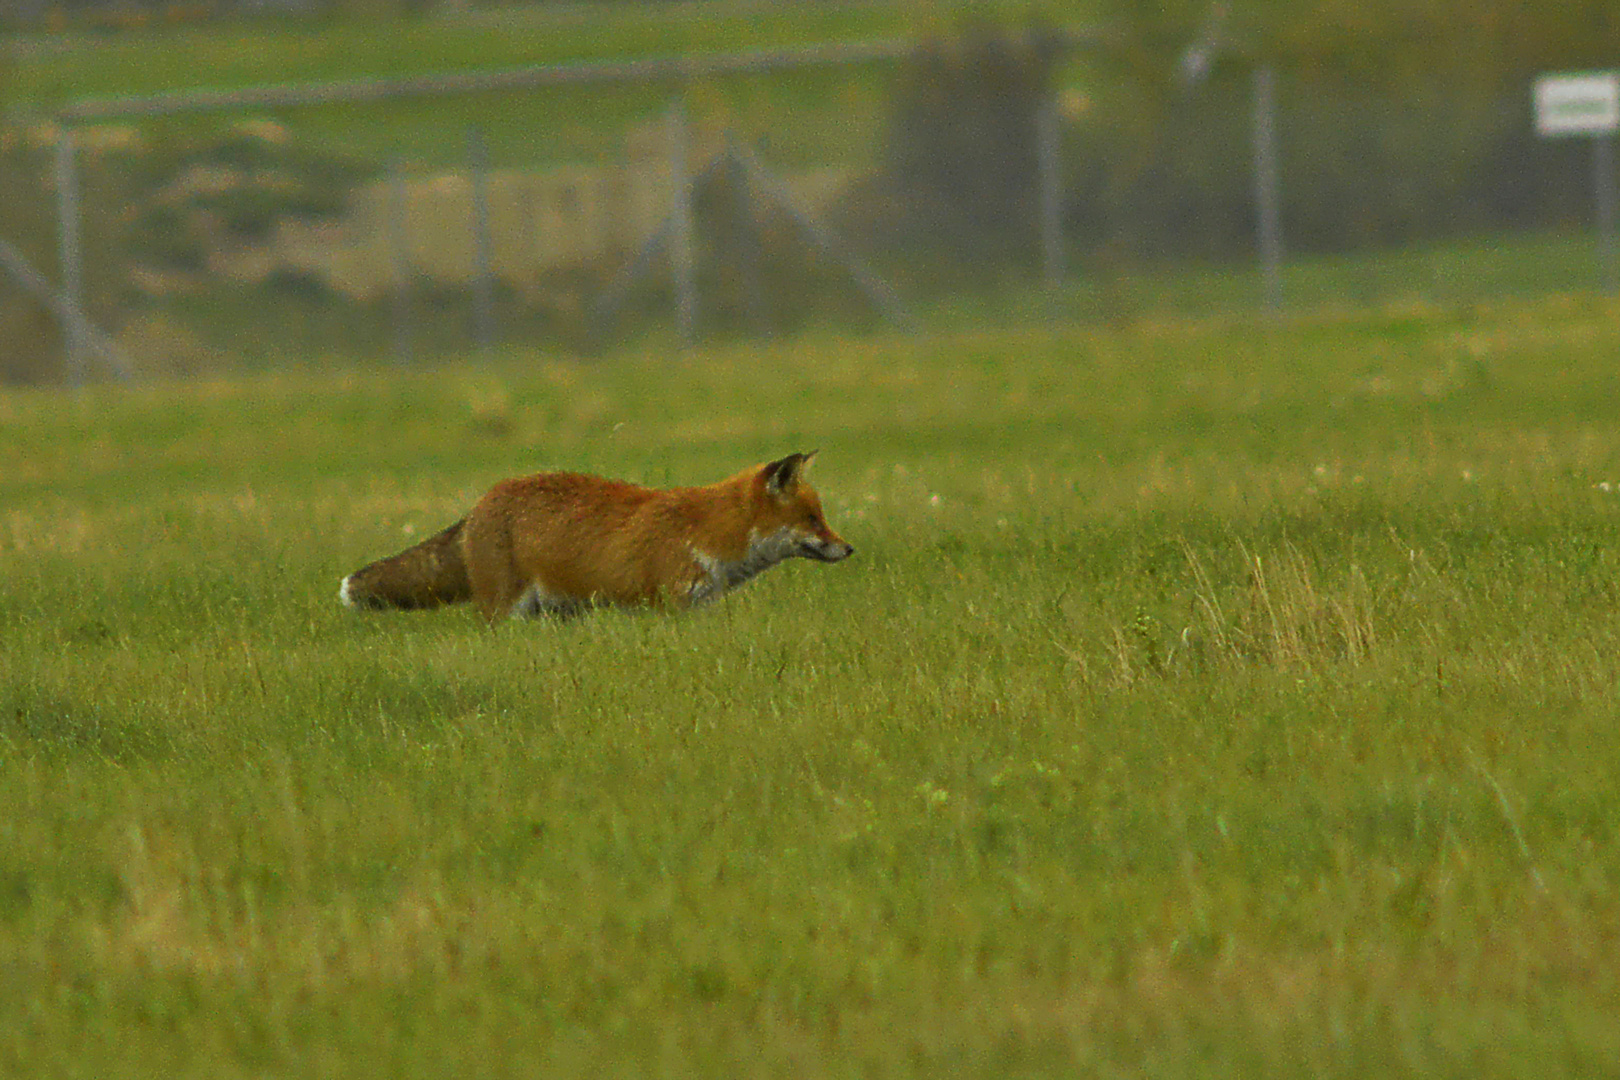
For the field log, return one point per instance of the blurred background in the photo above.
(196, 186)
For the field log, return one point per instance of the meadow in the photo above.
(1207, 697)
(811, 115)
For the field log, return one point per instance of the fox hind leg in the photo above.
(499, 594)
(491, 573)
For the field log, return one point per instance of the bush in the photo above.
(30, 348)
(192, 196)
(1393, 125)
(959, 174)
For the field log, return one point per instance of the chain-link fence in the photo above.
(854, 187)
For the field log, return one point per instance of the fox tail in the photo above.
(427, 575)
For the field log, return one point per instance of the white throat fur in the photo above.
(764, 551)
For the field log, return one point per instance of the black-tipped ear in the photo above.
(782, 476)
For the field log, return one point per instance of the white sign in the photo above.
(1586, 103)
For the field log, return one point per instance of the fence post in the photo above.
(399, 241)
(483, 284)
(71, 255)
(1603, 188)
(1048, 157)
(1265, 185)
(746, 235)
(681, 239)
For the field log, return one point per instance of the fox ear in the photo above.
(782, 476)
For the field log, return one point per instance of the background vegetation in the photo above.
(1206, 698)
(1399, 124)
(1396, 122)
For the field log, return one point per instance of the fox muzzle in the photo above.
(826, 551)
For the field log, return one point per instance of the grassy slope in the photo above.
(812, 115)
(233, 53)
(1205, 700)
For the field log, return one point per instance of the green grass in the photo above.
(815, 115)
(1206, 698)
(1424, 278)
(1456, 280)
(805, 116)
(232, 53)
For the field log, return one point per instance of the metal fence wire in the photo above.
(685, 201)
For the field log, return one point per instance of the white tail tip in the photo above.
(343, 593)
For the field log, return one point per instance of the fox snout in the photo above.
(832, 550)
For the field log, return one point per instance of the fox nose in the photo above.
(826, 550)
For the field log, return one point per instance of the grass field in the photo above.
(1206, 698)
(813, 115)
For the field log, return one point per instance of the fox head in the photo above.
(794, 512)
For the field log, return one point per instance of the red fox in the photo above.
(558, 543)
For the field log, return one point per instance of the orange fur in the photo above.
(561, 542)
